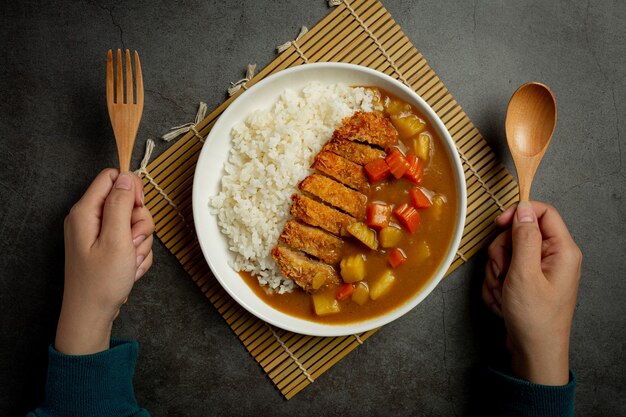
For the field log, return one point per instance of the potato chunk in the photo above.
(317, 281)
(382, 285)
(361, 293)
(364, 234)
(390, 237)
(421, 146)
(438, 202)
(325, 303)
(408, 125)
(396, 107)
(353, 268)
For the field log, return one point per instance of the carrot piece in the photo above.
(345, 291)
(396, 257)
(408, 217)
(377, 170)
(416, 169)
(377, 215)
(398, 163)
(419, 199)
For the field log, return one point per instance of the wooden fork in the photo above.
(125, 113)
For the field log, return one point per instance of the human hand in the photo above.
(531, 281)
(108, 246)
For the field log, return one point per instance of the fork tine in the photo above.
(139, 80)
(119, 94)
(129, 80)
(110, 87)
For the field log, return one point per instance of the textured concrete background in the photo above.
(55, 136)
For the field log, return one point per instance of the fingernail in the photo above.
(138, 240)
(142, 198)
(123, 181)
(497, 295)
(140, 259)
(495, 269)
(525, 212)
(139, 273)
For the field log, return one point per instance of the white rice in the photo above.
(271, 153)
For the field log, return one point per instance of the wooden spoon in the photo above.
(530, 122)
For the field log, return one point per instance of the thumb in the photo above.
(118, 210)
(526, 241)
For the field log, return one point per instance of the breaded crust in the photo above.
(368, 127)
(314, 241)
(335, 194)
(356, 152)
(317, 214)
(303, 270)
(342, 170)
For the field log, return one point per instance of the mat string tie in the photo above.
(286, 45)
(143, 172)
(238, 85)
(291, 355)
(176, 131)
(358, 338)
(367, 30)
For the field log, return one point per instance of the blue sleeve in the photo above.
(99, 385)
(509, 396)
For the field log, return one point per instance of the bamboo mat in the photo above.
(360, 32)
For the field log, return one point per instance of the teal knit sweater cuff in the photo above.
(100, 384)
(517, 397)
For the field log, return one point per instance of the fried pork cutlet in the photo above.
(317, 214)
(313, 241)
(342, 170)
(356, 152)
(368, 127)
(335, 194)
(307, 273)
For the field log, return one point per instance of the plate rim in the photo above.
(339, 329)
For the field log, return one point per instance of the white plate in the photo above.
(215, 153)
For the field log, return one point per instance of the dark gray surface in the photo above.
(55, 136)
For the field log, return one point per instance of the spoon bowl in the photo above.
(530, 122)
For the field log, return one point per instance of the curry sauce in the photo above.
(425, 249)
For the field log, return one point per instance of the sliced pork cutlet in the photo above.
(356, 152)
(368, 127)
(342, 170)
(317, 214)
(309, 274)
(313, 241)
(335, 194)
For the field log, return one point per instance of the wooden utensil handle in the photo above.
(124, 157)
(125, 143)
(524, 189)
(526, 167)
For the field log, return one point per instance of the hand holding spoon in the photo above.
(530, 122)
